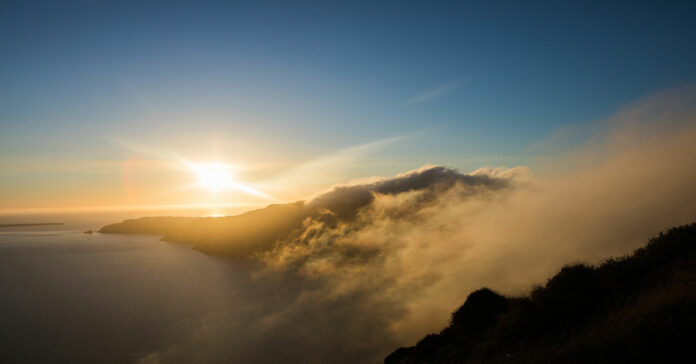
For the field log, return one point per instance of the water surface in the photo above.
(72, 297)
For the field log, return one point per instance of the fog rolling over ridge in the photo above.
(368, 266)
(347, 182)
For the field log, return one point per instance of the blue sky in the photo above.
(272, 83)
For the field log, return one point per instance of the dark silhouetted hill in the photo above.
(639, 308)
(160, 225)
(235, 236)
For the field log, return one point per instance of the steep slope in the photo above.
(640, 308)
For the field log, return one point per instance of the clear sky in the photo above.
(101, 101)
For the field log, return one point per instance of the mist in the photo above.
(380, 262)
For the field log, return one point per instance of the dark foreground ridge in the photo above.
(640, 308)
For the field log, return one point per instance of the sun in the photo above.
(219, 177)
(213, 176)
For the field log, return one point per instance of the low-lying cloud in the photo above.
(381, 262)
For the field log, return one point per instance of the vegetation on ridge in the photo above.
(639, 308)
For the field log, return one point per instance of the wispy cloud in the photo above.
(327, 169)
(439, 91)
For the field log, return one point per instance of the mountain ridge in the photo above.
(232, 236)
(636, 308)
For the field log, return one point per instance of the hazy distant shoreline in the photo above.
(34, 224)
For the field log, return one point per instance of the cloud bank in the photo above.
(379, 263)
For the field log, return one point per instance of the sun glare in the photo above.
(213, 176)
(219, 177)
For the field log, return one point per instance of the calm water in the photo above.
(70, 297)
(67, 296)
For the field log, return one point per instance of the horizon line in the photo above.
(114, 208)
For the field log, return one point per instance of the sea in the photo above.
(71, 297)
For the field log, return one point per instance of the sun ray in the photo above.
(219, 177)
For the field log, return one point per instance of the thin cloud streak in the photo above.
(437, 92)
(324, 166)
